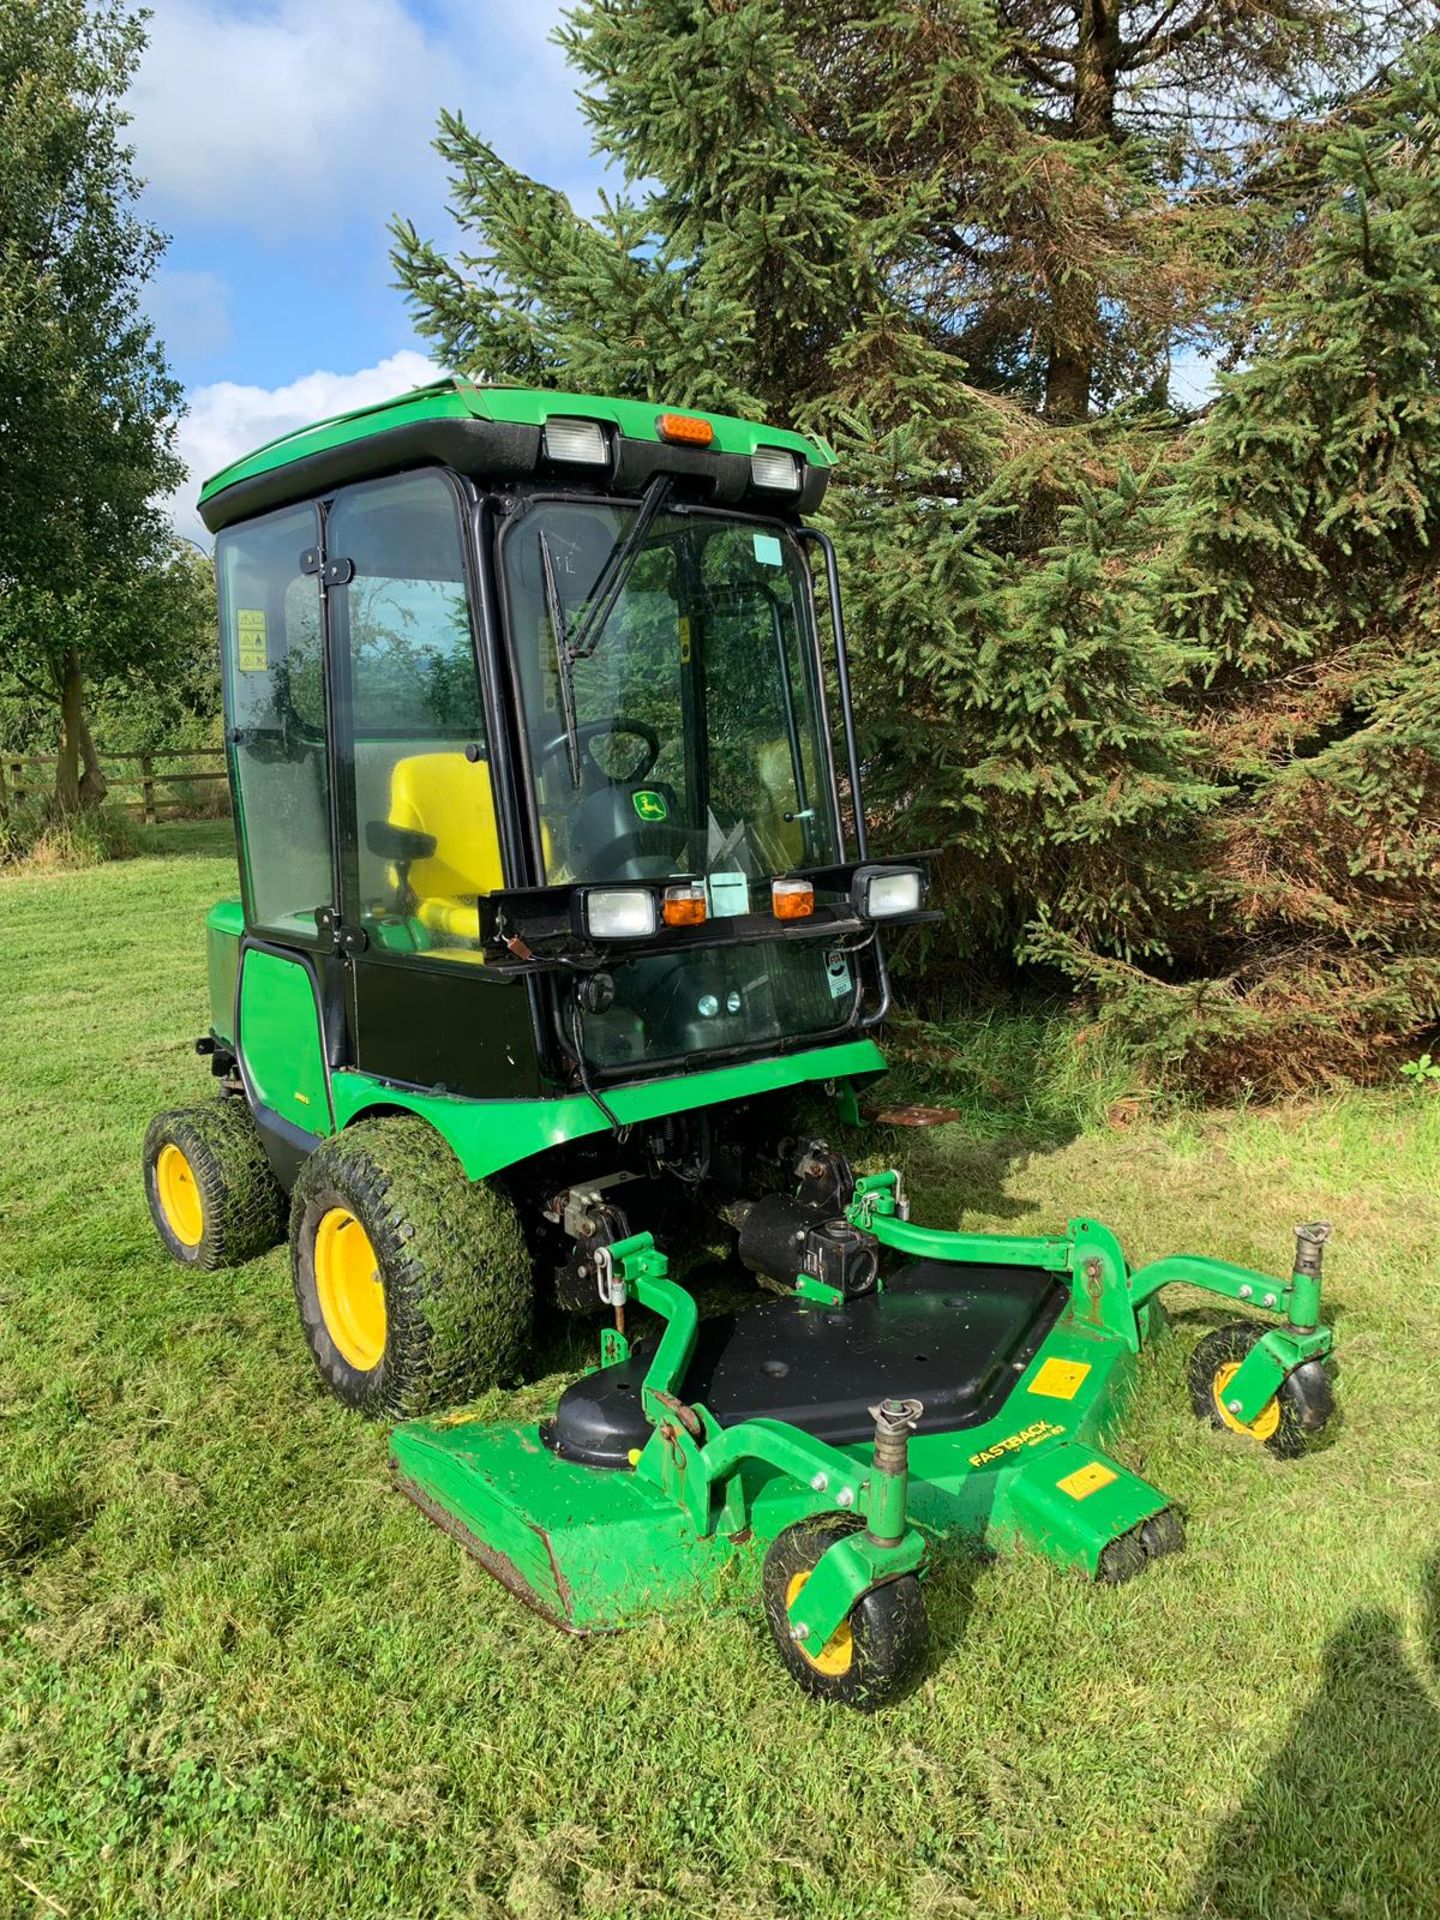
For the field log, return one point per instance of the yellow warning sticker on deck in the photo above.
(684, 627)
(252, 655)
(1086, 1480)
(1060, 1379)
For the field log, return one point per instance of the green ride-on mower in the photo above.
(558, 937)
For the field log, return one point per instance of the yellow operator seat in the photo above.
(450, 798)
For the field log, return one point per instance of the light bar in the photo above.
(578, 443)
(684, 429)
(880, 893)
(684, 906)
(619, 913)
(775, 470)
(792, 899)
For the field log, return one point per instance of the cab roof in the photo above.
(495, 431)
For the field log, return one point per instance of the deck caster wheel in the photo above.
(878, 1649)
(1287, 1424)
(213, 1198)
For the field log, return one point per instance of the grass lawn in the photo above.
(239, 1676)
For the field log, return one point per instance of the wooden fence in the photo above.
(140, 791)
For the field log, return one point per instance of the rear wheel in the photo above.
(413, 1283)
(213, 1198)
(877, 1650)
(1299, 1412)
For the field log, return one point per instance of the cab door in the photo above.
(290, 991)
(420, 802)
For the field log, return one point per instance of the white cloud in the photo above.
(227, 420)
(298, 114)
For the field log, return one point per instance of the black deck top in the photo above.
(954, 1337)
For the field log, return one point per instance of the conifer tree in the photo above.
(1162, 693)
(1306, 573)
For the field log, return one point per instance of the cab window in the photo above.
(274, 667)
(428, 842)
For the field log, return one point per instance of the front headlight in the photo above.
(618, 913)
(880, 893)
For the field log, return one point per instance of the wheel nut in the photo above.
(800, 1631)
(1233, 1405)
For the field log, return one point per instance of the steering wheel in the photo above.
(594, 730)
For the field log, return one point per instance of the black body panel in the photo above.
(444, 1026)
(955, 1338)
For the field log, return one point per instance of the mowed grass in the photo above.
(239, 1676)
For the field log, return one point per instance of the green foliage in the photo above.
(88, 584)
(1423, 1072)
(36, 835)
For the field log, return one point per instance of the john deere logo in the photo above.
(651, 805)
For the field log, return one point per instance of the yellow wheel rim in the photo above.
(347, 1281)
(179, 1196)
(1264, 1423)
(838, 1652)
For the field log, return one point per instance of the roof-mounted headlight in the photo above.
(576, 443)
(882, 893)
(774, 469)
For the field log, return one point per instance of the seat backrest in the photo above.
(775, 773)
(449, 797)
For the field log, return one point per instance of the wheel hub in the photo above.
(347, 1283)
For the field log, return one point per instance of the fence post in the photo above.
(17, 780)
(147, 789)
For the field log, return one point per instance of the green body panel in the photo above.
(489, 1135)
(280, 1040)
(451, 399)
(224, 925)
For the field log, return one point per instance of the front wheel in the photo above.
(413, 1283)
(876, 1651)
(1299, 1412)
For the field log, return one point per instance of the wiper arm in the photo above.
(616, 571)
(555, 608)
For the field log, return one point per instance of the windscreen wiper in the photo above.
(554, 606)
(616, 572)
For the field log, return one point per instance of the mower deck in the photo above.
(965, 1396)
(1017, 1394)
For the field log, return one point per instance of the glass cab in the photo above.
(437, 699)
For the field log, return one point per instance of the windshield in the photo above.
(684, 734)
(679, 734)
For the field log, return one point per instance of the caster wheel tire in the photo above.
(877, 1651)
(213, 1198)
(1299, 1412)
(413, 1283)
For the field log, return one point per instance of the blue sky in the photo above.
(276, 138)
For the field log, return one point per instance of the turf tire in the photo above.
(1306, 1399)
(889, 1633)
(452, 1260)
(242, 1204)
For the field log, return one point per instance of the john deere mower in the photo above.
(558, 952)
